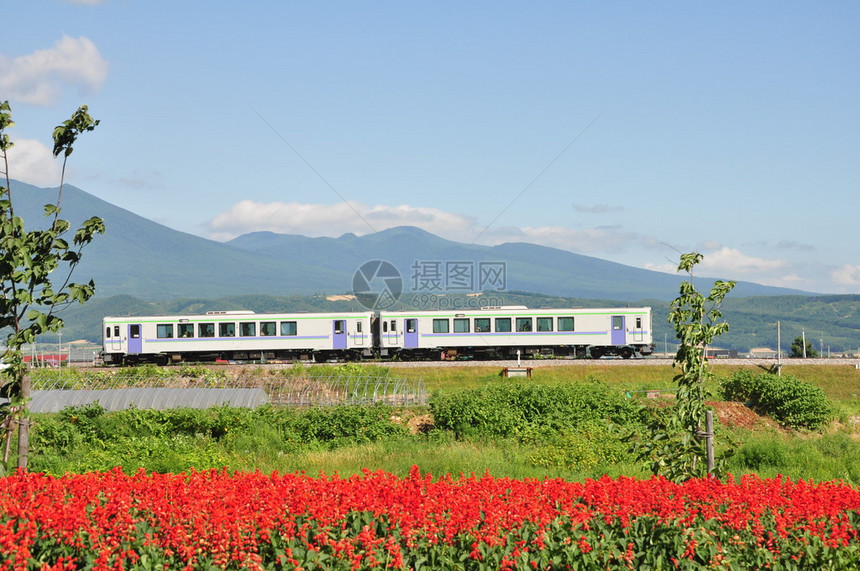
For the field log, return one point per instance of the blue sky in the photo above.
(621, 130)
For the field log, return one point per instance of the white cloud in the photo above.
(847, 276)
(39, 78)
(597, 208)
(793, 245)
(32, 162)
(334, 219)
(665, 267)
(733, 262)
(582, 241)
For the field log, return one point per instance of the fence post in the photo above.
(709, 428)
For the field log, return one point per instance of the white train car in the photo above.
(501, 332)
(236, 335)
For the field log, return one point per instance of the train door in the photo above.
(339, 334)
(410, 333)
(113, 339)
(638, 332)
(359, 337)
(135, 343)
(618, 337)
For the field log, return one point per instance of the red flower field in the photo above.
(212, 519)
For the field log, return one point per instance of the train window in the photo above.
(461, 326)
(289, 328)
(638, 323)
(134, 331)
(503, 324)
(247, 329)
(440, 326)
(617, 322)
(339, 326)
(385, 327)
(186, 330)
(393, 325)
(411, 325)
(482, 325)
(164, 331)
(544, 323)
(206, 330)
(524, 323)
(358, 326)
(267, 328)
(116, 330)
(226, 329)
(107, 332)
(565, 324)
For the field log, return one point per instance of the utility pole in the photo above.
(803, 335)
(778, 351)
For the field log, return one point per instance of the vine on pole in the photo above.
(677, 445)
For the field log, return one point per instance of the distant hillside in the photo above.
(528, 267)
(141, 258)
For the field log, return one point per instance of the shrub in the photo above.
(520, 409)
(591, 445)
(788, 400)
(88, 438)
(352, 423)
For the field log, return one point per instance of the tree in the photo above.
(36, 267)
(797, 349)
(676, 448)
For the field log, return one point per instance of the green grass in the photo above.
(839, 382)
(437, 456)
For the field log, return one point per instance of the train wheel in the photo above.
(626, 352)
(597, 352)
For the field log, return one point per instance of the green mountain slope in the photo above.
(528, 267)
(147, 260)
(142, 258)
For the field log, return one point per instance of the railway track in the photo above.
(542, 363)
(646, 362)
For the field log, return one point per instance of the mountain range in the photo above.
(142, 267)
(144, 259)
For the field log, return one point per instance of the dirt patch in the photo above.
(736, 414)
(420, 424)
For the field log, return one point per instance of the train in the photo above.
(502, 332)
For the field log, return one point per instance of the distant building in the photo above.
(722, 353)
(763, 353)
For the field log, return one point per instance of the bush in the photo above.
(518, 410)
(788, 400)
(89, 438)
(354, 424)
(591, 445)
